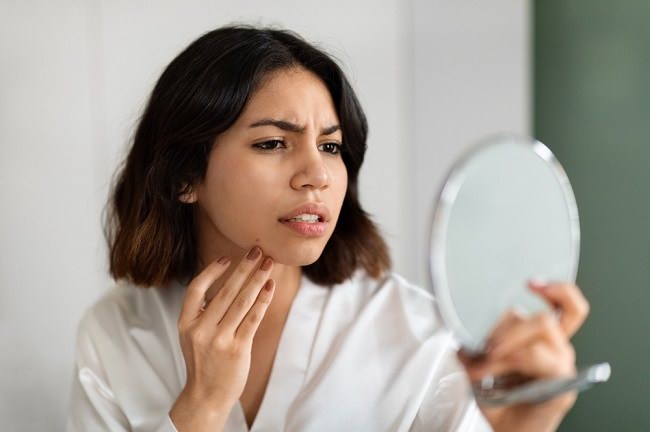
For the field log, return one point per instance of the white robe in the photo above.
(365, 355)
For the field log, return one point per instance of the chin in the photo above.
(296, 255)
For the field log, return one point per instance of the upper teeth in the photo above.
(304, 218)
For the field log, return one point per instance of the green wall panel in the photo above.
(592, 108)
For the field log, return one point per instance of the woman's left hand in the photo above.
(536, 347)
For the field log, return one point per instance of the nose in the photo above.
(310, 170)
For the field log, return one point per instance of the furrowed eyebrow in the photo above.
(280, 124)
(330, 130)
(291, 127)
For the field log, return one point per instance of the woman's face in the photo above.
(276, 178)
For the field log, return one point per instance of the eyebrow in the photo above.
(291, 127)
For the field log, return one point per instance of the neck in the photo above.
(287, 283)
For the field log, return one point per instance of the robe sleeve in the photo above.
(93, 405)
(448, 404)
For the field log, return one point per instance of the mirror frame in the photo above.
(440, 221)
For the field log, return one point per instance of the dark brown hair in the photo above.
(152, 236)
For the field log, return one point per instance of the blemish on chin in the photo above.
(257, 241)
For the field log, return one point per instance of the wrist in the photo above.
(526, 418)
(192, 412)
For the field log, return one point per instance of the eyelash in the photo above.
(261, 146)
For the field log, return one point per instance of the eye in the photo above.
(330, 147)
(269, 145)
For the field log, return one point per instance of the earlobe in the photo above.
(187, 195)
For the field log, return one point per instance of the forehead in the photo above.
(291, 94)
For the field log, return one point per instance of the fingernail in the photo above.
(487, 382)
(223, 260)
(254, 254)
(266, 264)
(537, 284)
(268, 286)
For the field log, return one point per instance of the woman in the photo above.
(264, 299)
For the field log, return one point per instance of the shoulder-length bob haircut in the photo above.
(152, 236)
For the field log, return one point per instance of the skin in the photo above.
(234, 310)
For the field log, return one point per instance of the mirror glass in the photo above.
(505, 215)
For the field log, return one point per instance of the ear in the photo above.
(187, 195)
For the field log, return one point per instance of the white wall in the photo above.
(432, 76)
(472, 68)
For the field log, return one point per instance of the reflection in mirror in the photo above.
(506, 215)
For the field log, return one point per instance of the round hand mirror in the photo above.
(505, 215)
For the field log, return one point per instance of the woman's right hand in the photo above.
(216, 341)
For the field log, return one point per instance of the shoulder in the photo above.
(390, 286)
(389, 301)
(444, 399)
(364, 285)
(126, 307)
(128, 340)
(391, 326)
(116, 304)
(127, 357)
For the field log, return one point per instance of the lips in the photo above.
(318, 209)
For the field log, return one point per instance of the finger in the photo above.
(538, 360)
(195, 293)
(511, 318)
(223, 299)
(247, 297)
(540, 328)
(253, 318)
(568, 298)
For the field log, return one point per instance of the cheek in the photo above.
(340, 180)
(244, 188)
(239, 194)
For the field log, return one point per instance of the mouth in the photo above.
(305, 217)
(310, 219)
(310, 212)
